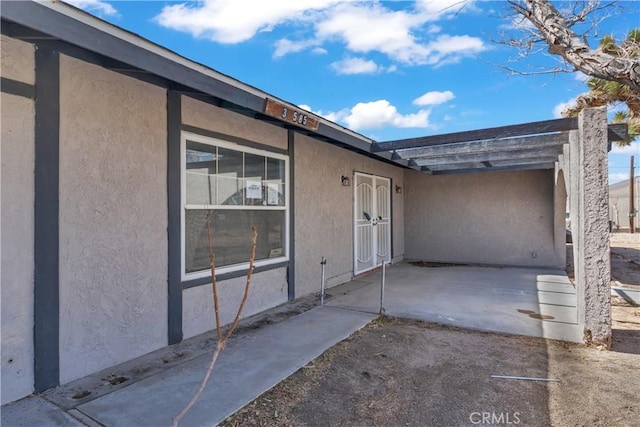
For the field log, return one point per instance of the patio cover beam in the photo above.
(486, 146)
(616, 132)
(545, 165)
(483, 165)
(547, 126)
(491, 156)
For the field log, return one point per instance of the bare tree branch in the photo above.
(563, 41)
(222, 340)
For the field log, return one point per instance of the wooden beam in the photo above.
(616, 132)
(510, 144)
(496, 164)
(453, 166)
(531, 161)
(535, 166)
(491, 156)
(547, 126)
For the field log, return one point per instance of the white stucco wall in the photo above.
(268, 289)
(324, 211)
(206, 116)
(504, 218)
(113, 218)
(16, 223)
(17, 60)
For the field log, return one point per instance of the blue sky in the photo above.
(386, 69)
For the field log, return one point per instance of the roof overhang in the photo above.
(62, 27)
(527, 146)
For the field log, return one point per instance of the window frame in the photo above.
(222, 143)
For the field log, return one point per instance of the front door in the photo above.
(372, 222)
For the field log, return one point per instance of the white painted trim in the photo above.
(374, 235)
(237, 207)
(232, 268)
(190, 136)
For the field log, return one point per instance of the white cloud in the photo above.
(335, 117)
(235, 21)
(445, 44)
(351, 23)
(355, 66)
(560, 107)
(286, 46)
(404, 36)
(633, 148)
(374, 115)
(617, 177)
(379, 114)
(98, 6)
(434, 98)
(436, 9)
(319, 51)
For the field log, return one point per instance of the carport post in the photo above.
(589, 224)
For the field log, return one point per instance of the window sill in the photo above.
(205, 280)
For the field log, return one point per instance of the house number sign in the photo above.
(290, 114)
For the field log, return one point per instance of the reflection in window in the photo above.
(239, 187)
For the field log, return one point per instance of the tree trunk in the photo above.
(564, 42)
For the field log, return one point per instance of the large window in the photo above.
(237, 187)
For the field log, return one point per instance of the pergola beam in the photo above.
(488, 165)
(534, 166)
(534, 128)
(477, 147)
(615, 132)
(490, 156)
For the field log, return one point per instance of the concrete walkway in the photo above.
(534, 302)
(522, 301)
(251, 364)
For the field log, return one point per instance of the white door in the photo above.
(372, 222)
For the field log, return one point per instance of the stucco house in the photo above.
(114, 150)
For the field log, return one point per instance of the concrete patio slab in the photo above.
(251, 364)
(630, 295)
(522, 301)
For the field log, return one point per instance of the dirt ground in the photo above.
(407, 373)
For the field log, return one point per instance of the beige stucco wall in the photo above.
(206, 116)
(560, 220)
(324, 211)
(502, 218)
(619, 204)
(17, 60)
(17, 198)
(113, 218)
(268, 289)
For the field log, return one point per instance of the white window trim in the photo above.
(183, 205)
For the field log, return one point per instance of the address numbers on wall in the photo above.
(290, 114)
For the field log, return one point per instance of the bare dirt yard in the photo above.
(408, 373)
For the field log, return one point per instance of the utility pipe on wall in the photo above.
(323, 263)
(384, 273)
